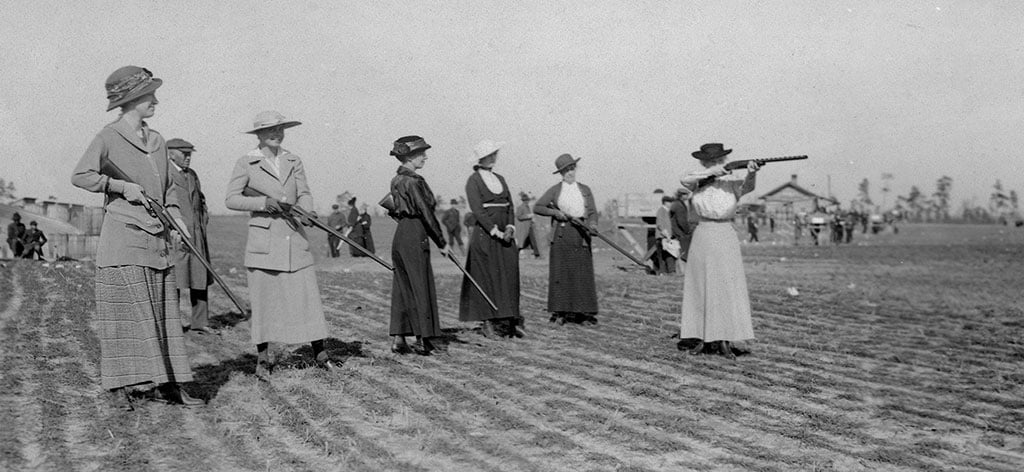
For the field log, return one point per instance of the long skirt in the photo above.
(137, 321)
(362, 236)
(286, 306)
(716, 304)
(413, 296)
(571, 286)
(494, 264)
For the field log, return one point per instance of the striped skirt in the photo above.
(716, 305)
(571, 285)
(137, 321)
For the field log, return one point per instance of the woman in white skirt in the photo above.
(716, 304)
(286, 306)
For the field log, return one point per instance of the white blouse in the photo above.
(491, 181)
(570, 200)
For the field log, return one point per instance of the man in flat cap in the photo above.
(191, 274)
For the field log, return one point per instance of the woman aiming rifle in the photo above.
(716, 305)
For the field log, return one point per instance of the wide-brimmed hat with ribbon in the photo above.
(271, 119)
(485, 148)
(564, 161)
(711, 151)
(181, 145)
(409, 145)
(128, 83)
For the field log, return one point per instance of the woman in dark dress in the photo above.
(493, 258)
(572, 292)
(360, 233)
(413, 296)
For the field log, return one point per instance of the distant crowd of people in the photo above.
(155, 210)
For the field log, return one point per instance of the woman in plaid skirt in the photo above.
(572, 292)
(142, 347)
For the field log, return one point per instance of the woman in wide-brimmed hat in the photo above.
(493, 258)
(413, 296)
(716, 304)
(572, 291)
(142, 348)
(283, 291)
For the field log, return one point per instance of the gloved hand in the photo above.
(273, 206)
(496, 233)
(510, 232)
(444, 250)
(134, 193)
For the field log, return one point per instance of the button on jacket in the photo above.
(275, 242)
(130, 234)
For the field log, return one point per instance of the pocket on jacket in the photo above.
(259, 237)
(425, 245)
(135, 236)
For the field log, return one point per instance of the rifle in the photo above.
(301, 213)
(110, 169)
(593, 232)
(388, 202)
(741, 164)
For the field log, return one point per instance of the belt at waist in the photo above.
(492, 205)
(713, 220)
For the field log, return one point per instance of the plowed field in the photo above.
(900, 352)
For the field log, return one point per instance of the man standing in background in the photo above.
(34, 241)
(526, 234)
(16, 235)
(682, 228)
(336, 220)
(452, 225)
(190, 273)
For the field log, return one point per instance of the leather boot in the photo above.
(399, 346)
(487, 329)
(422, 346)
(725, 349)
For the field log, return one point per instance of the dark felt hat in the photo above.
(711, 151)
(180, 144)
(454, 202)
(564, 161)
(409, 145)
(128, 83)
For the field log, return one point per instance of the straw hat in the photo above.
(483, 149)
(270, 119)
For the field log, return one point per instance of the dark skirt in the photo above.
(571, 286)
(413, 296)
(361, 235)
(138, 326)
(494, 264)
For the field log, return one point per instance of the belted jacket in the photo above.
(275, 241)
(130, 235)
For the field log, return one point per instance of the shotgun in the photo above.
(593, 232)
(301, 213)
(742, 164)
(111, 170)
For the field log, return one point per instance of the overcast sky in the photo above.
(917, 89)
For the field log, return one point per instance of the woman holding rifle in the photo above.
(283, 291)
(572, 292)
(716, 304)
(413, 296)
(142, 348)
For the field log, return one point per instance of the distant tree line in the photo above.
(917, 206)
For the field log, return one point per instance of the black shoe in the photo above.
(206, 330)
(323, 361)
(696, 350)
(399, 346)
(487, 329)
(725, 349)
(174, 394)
(421, 347)
(589, 320)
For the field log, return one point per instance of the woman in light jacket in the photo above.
(716, 304)
(493, 258)
(283, 291)
(137, 321)
(572, 292)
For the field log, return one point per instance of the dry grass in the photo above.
(900, 353)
